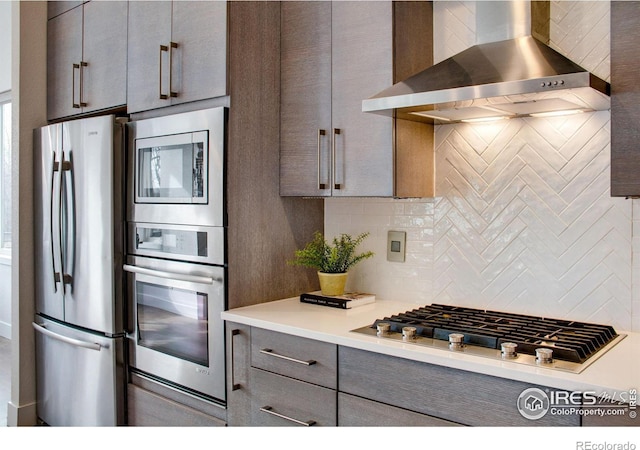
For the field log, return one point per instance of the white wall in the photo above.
(523, 220)
(5, 298)
(5, 85)
(5, 45)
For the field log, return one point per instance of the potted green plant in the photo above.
(332, 261)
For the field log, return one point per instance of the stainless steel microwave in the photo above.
(176, 169)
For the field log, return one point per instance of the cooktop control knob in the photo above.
(383, 328)
(509, 350)
(544, 356)
(456, 341)
(408, 333)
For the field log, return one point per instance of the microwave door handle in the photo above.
(76, 342)
(169, 275)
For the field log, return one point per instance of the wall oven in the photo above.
(179, 336)
(176, 168)
(176, 261)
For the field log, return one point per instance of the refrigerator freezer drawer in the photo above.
(81, 377)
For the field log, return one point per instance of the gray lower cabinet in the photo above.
(152, 404)
(177, 53)
(452, 395)
(295, 357)
(359, 412)
(611, 414)
(334, 55)
(87, 59)
(284, 401)
(275, 379)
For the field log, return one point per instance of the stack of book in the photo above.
(345, 301)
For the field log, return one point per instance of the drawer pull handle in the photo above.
(269, 410)
(268, 351)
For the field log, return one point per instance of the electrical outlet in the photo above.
(396, 241)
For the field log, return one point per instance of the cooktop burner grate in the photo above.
(570, 341)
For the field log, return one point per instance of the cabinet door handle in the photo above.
(82, 66)
(234, 386)
(163, 48)
(336, 183)
(172, 45)
(269, 410)
(73, 85)
(321, 185)
(79, 67)
(268, 351)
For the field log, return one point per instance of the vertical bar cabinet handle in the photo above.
(73, 85)
(321, 185)
(163, 48)
(234, 386)
(336, 184)
(172, 45)
(81, 67)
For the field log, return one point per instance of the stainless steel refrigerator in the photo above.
(79, 326)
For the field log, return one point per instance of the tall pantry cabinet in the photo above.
(333, 56)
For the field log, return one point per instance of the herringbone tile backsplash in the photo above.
(523, 220)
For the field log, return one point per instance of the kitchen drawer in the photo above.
(610, 417)
(456, 395)
(360, 412)
(295, 357)
(290, 402)
(147, 409)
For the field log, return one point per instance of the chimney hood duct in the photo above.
(515, 76)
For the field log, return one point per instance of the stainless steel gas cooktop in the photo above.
(550, 343)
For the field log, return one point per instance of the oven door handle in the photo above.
(168, 275)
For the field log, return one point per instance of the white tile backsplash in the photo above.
(523, 220)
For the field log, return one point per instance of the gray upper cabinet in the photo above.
(87, 59)
(333, 56)
(177, 53)
(305, 99)
(362, 61)
(625, 99)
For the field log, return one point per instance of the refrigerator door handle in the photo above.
(168, 275)
(76, 342)
(70, 214)
(56, 275)
(61, 242)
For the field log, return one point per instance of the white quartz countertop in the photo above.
(616, 371)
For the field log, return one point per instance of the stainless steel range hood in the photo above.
(509, 73)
